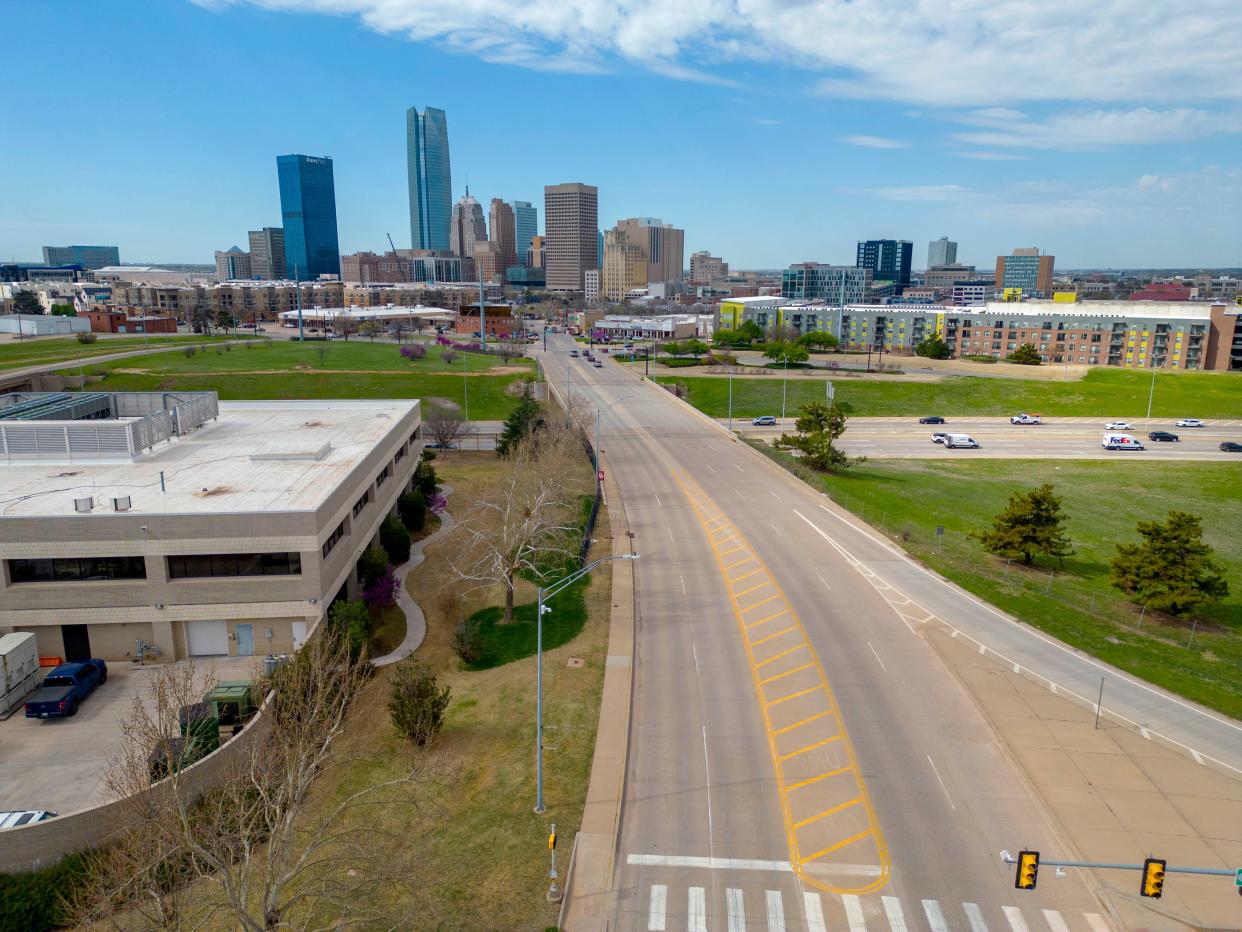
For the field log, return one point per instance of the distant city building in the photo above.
(590, 280)
(233, 265)
(467, 228)
(535, 255)
(89, 257)
(1026, 271)
(489, 263)
(599, 248)
(946, 276)
(430, 178)
(941, 251)
(839, 284)
(704, 267)
(571, 234)
(525, 226)
(625, 265)
(503, 223)
(521, 276)
(969, 293)
(663, 245)
(112, 320)
(402, 266)
(308, 215)
(888, 260)
(1163, 291)
(267, 253)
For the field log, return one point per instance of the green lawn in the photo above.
(1104, 392)
(505, 643)
(908, 499)
(22, 353)
(347, 370)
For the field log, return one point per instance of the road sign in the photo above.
(1237, 878)
(832, 391)
(940, 530)
(600, 475)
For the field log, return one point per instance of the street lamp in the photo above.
(784, 383)
(1151, 393)
(547, 593)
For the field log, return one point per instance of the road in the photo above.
(1059, 438)
(800, 759)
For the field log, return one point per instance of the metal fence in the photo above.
(588, 529)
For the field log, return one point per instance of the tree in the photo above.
(696, 348)
(818, 426)
(933, 348)
(781, 333)
(371, 565)
(509, 349)
(750, 331)
(1025, 355)
(778, 350)
(425, 479)
(370, 329)
(529, 523)
(448, 355)
(412, 507)
(63, 310)
(351, 622)
(1031, 524)
(223, 319)
(417, 702)
(1172, 569)
(27, 302)
(251, 852)
(818, 339)
(526, 417)
(727, 337)
(445, 425)
(395, 540)
(398, 329)
(675, 348)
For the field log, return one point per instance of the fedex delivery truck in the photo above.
(1113, 441)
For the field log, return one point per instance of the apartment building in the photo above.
(176, 522)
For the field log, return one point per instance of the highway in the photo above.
(800, 758)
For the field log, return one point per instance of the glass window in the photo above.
(202, 566)
(77, 569)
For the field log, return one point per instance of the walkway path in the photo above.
(415, 621)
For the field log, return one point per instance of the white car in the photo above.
(1190, 422)
(1026, 419)
(1118, 425)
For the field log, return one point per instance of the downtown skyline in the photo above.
(765, 171)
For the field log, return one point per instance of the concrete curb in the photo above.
(415, 621)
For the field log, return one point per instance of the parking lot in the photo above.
(59, 764)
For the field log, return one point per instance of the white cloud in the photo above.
(919, 192)
(1091, 129)
(966, 53)
(875, 142)
(767, 121)
(988, 156)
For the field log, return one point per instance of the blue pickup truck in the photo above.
(65, 687)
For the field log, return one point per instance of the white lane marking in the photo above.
(738, 468)
(683, 584)
(695, 651)
(1055, 922)
(670, 534)
(941, 782)
(776, 911)
(697, 911)
(877, 658)
(824, 581)
(707, 777)
(935, 918)
(659, 503)
(854, 912)
(814, 913)
(1014, 916)
(742, 864)
(975, 915)
(656, 912)
(710, 466)
(892, 909)
(774, 495)
(1096, 922)
(776, 529)
(736, 910)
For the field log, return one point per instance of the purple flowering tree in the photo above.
(383, 591)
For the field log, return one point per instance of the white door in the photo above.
(299, 634)
(207, 638)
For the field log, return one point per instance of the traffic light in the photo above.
(1028, 870)
(1153, 878)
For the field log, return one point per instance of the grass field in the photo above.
(21, 353)
(1104, 392)
(908, 499)
(346, 370)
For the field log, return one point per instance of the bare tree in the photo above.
(446, 426)
(248, 849)
(509, 348)
(530, 519)
(399, 328)
(370, 328)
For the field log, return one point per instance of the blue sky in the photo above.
(773, 132)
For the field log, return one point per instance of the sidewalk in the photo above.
(1116, 795)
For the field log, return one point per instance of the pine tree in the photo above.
(1032, 524)
(1171, 570)
(1025, 355)
(818, 426)
(524, 419)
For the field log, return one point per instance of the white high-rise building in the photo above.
(941, 251)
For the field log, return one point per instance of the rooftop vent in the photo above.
(83, 505)
(120, 503)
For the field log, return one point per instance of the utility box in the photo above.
(199, 722)
(19, 668)
(232, 701)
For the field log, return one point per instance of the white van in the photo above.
(953, 441)
(1113, 441)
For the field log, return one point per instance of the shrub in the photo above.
(417, 702)
(395, 540)
(35, 901)
(414, 351)
(352, 621)
(383, 591)
(371, 565)
(425, 479)
(87, 338)
(412, 507)
(189, 351)
(219, 350)
(468, 639)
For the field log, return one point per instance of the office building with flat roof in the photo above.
(888, 259)
(941, 251)
(502, 220)
(267, 253)
(192, 526)
(308, 215)
(89, 257)
(662, 244)
(525, 227)
(430, 178)
(839, 284)
(1025, 272)
(232, 264)
(705, 268)
(572, 239)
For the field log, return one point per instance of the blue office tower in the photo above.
(525, 227)
(308, 211)
(431, 182)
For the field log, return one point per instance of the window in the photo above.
(383, 476)
(333, 538)
(202, 565)
(400, 453)
(414, 436)
(77, 569)
(362, 502)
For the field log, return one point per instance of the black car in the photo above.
(1162, 435)
(1231, 446)
(934, 419)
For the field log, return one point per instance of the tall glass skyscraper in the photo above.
(431, 182)
(308, 211)
(526, 223)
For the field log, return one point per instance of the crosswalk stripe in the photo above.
(1054, 920)
(655, 913)
(1096, 922)
(975, 915)
(814, 913)
(935, 918)
(737, 911)
(697, 912)
(1014, 916)
(854, 912)
(776, 911)
(892, 909)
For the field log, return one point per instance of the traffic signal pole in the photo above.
(1146, 868)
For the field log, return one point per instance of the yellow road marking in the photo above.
(750, 590)
(739, 562)
(841, 844)
(804, 692)
(745, 576)
(781, 676)
(809, 718)
(827, 812)
(771, 636)
(764, 621)
(751, 608)
(810, 747)
(816, 779)
(733, 550)
(784, 653)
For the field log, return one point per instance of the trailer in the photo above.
(19, 669)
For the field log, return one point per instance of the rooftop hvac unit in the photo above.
(120, 503)
(83, 505)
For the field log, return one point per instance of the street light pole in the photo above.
(465, 387)
(608, 407)
(730, 402)
(784, 384)
(1151, 393)
(547, 593)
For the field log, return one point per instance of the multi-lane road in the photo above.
(800, 757)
